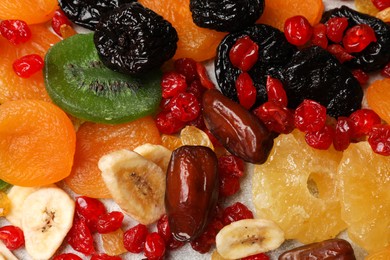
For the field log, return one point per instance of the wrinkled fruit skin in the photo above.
(328, 249)
(377, 54)
(226, 15)
(191, 190)
(274, 52)
(87, 13)
(238, 130)
(314, 73)
(133, 39)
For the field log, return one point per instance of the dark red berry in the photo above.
(362, 122)
(297, 30)
(58, 20)
(335, 28)
(361, 76)
(206, 240)
(12, 237)
(15, 31)
(340, 53)
(321, 139)
(230, 165)
(165, 232)
(358, 38)
(385, 72)
(260, 256)
(342, 133)
(275, 91)
(109, 222)
(236, 212)
(197, 89)
(165, 104)
(246, 90)
(172, 84)
(67, 256)
(185, 107)
(154, 246)
(28, 65)
(105, 257)
(244, 53)
(310, 116)
(379, 139)
(90, 209)
(319, 36)
(203, 76)
(134, 238)
(80, 237)
(381, 4)
(277, 118)
(186, 67)
(229, 186)
(167, 123)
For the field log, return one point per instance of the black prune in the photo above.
(133, 39)
(226, 15)
(377, 54)
(274, 53)
(87, 13)
(313, 73)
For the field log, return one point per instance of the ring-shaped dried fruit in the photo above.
(226, 15)
(133, 39)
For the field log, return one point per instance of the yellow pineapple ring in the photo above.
(365, 196)
(297, 188)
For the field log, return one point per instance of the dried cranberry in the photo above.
(165, 232)
(246, 90)
(361, 76)
(206, 240)
(276, 117)
(109, 222)
(134, 238)
(154, 246)
(67, 256)
(297, 30)
(385, 72)
(28, 65)
(203, 76)
(80, 237)
(185, 107)
(229, 186)
(167, 123)
(362, 122)
(105, 257)
(358, 38)
(321, 139)
(12, 237)
(275, 91)
(197, 89)
(230, 165)
(165, 104)
(342, 135)
(379, 139)
(15, 31)
(186, 67)
(90, 210)
(381, 4)
(319, 36)
(310, 116)
(260, 256)
(335, 28)
(58, 20)
(198, 122)
(236, 212)
(244, 53)
(340, 53)
(172, 84)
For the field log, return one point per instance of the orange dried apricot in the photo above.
(30, 11)
(378, 98)
(37, 143)
(113, 243)
(96, 140)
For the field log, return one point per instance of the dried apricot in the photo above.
(37, 143)
(30, 11)
(378, 98)
(96, 140)
(113, 243)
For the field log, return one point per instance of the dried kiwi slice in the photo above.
(79, 83)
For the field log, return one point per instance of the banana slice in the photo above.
(5, 253)
(248, 237)
(47, 218)
(136, 184)
(155, 153)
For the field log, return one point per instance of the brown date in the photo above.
(191, 190)
(239, 131)
(331, 249)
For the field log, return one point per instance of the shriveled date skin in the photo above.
(329, 249)
(239, 131)
(191, 190)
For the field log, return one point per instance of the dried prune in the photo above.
(274, 53)
(87, 13)
(226, 15)
(313, 73)
(133, 39)
(377, 54)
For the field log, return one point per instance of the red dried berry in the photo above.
(165, 104)
(275, 91)
(362, 122)
(340, 53)
(385, 72)
(342, 134)
(246, 90)
(298, 30)
(58, 20)
(186, 67)
(167, 123)
(379, 139)
(198, 122)
(105, 257)
(260, 256)
(154, 246)
(203, 76)
(335, 28)
(185, 107)
(321, 139)
(236, 212)
(381, 4)
(197, 89)
(28, 65)
(67, 256)
(310, 116)
(165, 232)
(229, 186)
(244, 53)
(319, 36)
(230, 165)
(134, 238)
(358, 38)
(361, 76)
(206, 240)
(15, 31)
(172, 84)
(12, 237)
(80, 237)
(109, 222)
(90, 209)
(277, 118)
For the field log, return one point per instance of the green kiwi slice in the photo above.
(78, 82)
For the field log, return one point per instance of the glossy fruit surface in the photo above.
(30, 11)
